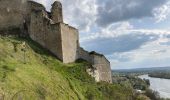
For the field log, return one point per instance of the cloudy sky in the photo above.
(131, 33)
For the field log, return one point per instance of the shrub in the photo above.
(142, 97)
(153, 95)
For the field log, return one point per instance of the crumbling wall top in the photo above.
(57, 4)
(56, 12)
(35, 6)
(93, 53)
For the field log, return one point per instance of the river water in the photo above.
(160, 85)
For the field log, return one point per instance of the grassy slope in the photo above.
(39, 75)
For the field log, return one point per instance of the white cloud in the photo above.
(123, 28)
(111, 11)
(162, 12)
(150, 55)
(112, 30)
(80, 14)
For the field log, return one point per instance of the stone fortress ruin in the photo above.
(48, 29)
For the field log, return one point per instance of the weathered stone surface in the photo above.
(70, 43)
(102, 65)
(12, 14)
(83, 54)
(46, 33)
(100, 69)
(32, 5)
(56, 12)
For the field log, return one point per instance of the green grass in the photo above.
(32, 73)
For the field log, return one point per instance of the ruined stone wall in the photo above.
(70, 43)
(32, 5)
(37, 30)
(100, 69)
(102, 66)
(45, 33)
(53, 40)
(59, 38)
(83, 54)
(12, 13)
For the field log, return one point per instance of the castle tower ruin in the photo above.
(49, 30)
(56, 12)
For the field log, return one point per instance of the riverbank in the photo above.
(160, 85)
(164, 75)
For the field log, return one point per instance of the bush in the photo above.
(142, 97)
(153, 95)
(91, 94)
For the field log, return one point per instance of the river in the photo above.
(160, 85)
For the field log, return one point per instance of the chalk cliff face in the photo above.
(48, 29)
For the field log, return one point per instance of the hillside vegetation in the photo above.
(29, 72)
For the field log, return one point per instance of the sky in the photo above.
(130, 33)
